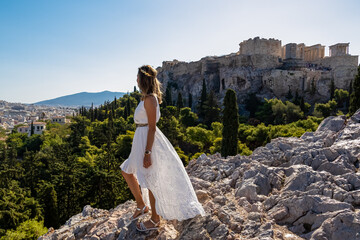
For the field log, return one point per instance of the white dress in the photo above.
(167, 178)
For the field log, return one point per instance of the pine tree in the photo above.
(168, 97)
(179, 103)
(49, 196)
(302, 104)
(135, 89)
(296, 98)
(212, 113)
(313, 87)
(92, 112)
(125, 115)
(251, 104)
(190, 100)
(202, 101)
(347, 102)
(128, 107)
(32, 128)
(115, 103)
(355, 95)
(106, 111)
(289, 94)
(230, 125)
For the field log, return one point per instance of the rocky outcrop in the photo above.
(292, 188)
(259, 69)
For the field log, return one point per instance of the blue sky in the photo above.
(50, 49)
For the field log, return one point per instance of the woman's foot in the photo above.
(142, 210)
(151, 224)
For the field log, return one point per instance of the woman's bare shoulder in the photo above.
(151, 99)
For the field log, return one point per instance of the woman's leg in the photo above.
(135, 190)
(154, 216)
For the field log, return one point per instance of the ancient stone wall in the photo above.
(314, 52)
(261, 46)
(300, 50)
(339, 49)
(338, 61)
(290, 50)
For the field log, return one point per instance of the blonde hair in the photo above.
(148, 83)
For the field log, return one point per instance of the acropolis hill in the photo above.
(267, 68)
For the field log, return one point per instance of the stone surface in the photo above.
(292, 188)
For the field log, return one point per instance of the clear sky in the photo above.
(54, 48)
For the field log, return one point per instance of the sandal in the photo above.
(143, 228)
(141, 214)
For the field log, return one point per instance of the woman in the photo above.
(154, 164)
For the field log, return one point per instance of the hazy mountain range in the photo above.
(82, 99)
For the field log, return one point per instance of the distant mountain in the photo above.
(82, 99)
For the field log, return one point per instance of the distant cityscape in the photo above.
(23, 115)
(57, 110)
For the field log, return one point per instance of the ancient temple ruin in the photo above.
(267, 68)
(273, 47)
(339, 49)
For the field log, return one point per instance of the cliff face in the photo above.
(292, 188)
(266, 75)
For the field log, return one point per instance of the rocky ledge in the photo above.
(292, 188)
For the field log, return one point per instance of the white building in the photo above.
(23, 129)
(59, 119)
(39, 127)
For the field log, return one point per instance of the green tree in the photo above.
(252, 103)
(123, 144)
(200, 137)
(170, 126)
(92, 112)
(293, 112)
(202, 102)
(230, 122)
(217, 128)
(30, 229)
(48, 196)
(325, 109)
(79, 128)
(32, 128)
(190, 100)
(168, 97)
(313, 87)
(252, 136)
(212, 110)
(17, 206)
(296, 99)
(355, 95)
(179, 102)
(187, 117)
(340, 96)
(243, 149)
(265, 112)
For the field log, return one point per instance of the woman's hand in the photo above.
(147, 161)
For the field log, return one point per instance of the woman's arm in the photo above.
(150, 107)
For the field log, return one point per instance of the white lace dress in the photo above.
(167, 178)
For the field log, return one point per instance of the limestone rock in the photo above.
(292, 188)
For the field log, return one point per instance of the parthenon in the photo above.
(291, 50)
